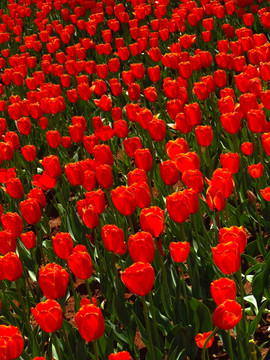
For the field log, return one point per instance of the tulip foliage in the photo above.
(134, 171)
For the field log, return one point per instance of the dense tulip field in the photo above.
(135, 163)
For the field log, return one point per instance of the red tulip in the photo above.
(89, 321)
(200, 339)
(139, 278)
(114, 239)
(12, 222)
(124, 200)
(152, 220)
(48, 315)
(223, 289)
(62, 245)
(11, 266)
(227, 257)
(11, 342)
(141, 247)
(29, 240)
(178, 206)
(30, 211)
(227, 315)
(234, 234)
(80, 262)
(179, 251)
(53, 281)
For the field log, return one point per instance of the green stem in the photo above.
(65, 339)
(115, 272)
(227, 213)
(55, 343)
(108, 196)
(147, 323)
(261, 242)
(182, 231)
(131, 224)
(230, 345)
(206, 342)
(88, 289)
(94, 343)
(209, 161)
(164, 276)
(76, 300)
(150, 297)
(185, 292)
(253, 350)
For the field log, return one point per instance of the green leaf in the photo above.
(201, 316)
(254, 323)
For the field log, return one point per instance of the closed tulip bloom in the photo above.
(231, 122)
(255, 170)
(168, 172)
(29, 152)
(11, 266)
(154, 73)
(24, 125)
(38, 195)
(30, 211)
(223, 180)
(152, 220)
(62, 245)
(131, 145)
(7, 242)
(223, 289)
(52, 166)
(266, 142)
(143, 159)
(142, 194)
(157, 129)
(178, 206)
(192, 113)
(53, 138)
(114, 239)
(48, 315)
(193, 179)
(14, 188)
(74, 173)
(204, 135)
(227, 315)
(230, 161)
(179, 251)
(256, 120)
(53, 281)
(193, 200)
(187, 161)
(89, 321)
(141, 247)
(122, 355)
(150, 94)
(124, 200)
(103, 155)
(227, 257)
(220, 78)
(90, 217)
(234, 234)
(12, 222)
(29, 240)
(176, 147)
(12, 343)
(104, 176)
(247, 148)
(136, 176)
(97, 199)
(139, 278)
(200, 339)
(89, 182)
(80, 262)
